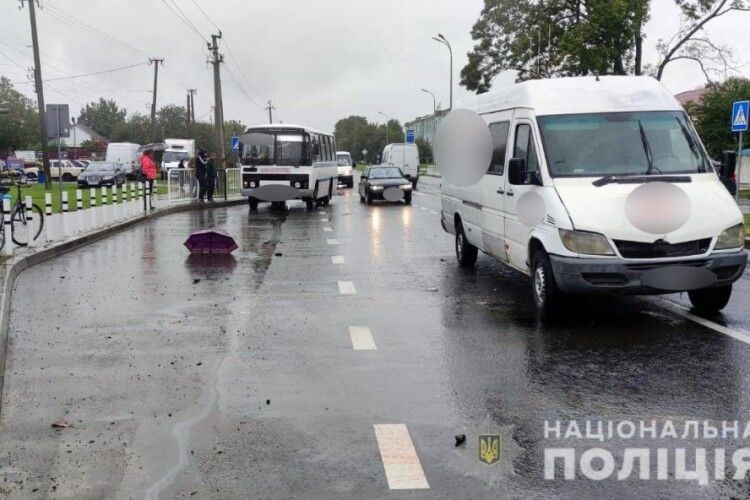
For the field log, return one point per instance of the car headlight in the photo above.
(108, 177)
(733, 237)
(584, 242)
(297, 185)
(252, 184)
(405, 186)
(376, 188)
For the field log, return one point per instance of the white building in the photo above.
(80, 133)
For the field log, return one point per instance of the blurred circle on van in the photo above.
(658, 207)
(463, 147)
(530, 208)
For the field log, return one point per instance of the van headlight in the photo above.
(733, 237)
(584, 242)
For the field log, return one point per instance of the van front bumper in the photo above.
(618, 276)
(300, 193)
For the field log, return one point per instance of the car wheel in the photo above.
(67, 177)
(407, 198)
(253, 202)
(310, 203)
(368, 198)
(414, 184)
(547, 296)
(350, 183)
(466, 253)
(710, 300)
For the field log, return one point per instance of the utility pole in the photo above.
(192, 104)
(156, 63)
(187, 108)
(216, 60)
(270, 109)
(39, 94)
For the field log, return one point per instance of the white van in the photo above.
(287, 162)
(126, 154)
(346, 168)
(405, 157)
(598, 185)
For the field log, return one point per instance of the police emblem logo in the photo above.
(489, 448)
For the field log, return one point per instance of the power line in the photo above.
(242, 90)
(70, 77)
(239, 67)
(12, 60)
(205, 15)
(184, 19)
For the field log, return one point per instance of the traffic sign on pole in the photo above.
(410, 136)
(740, 112)
(235, 143)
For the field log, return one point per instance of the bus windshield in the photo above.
(272, 148)
(603, 144)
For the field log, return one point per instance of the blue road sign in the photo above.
(410, 136)
(740, 112)
(235, 142)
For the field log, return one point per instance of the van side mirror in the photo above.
(517, 171)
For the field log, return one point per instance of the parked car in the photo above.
(605, 191)
(70, 171)
(32, 169)
(384, 183)
(346, 168)
(102, 173)
(405, 157)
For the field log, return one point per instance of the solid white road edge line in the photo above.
(332, 242)
(338, 259)
(327, 229)
(683, 311)
(362, 338)
(400, 461)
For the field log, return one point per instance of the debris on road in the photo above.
(60, 424)
(460, 439)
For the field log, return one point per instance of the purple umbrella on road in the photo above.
(213, 241)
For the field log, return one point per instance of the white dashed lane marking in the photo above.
(361, 338)
(338, 259)
(347, 288)
(400, 461)
(332, 242)
(327, 229)
(423, 208)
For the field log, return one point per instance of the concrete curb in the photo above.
(13, 266)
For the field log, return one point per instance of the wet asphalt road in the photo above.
(188, 378)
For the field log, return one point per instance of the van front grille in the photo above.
(661, 248)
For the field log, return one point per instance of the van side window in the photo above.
(499, 132)
(524, 148)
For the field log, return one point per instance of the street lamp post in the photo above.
(434, 104)
(75, 143)
(386, 126)
(441, 39)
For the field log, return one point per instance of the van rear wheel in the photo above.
(547, 296)
(253, 202)
(466, 253)
(710, 300)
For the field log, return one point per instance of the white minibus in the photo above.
(283, 162)
(598, 185)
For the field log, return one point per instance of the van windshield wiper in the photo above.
(692, 144)
(639, 179)
(647, 149)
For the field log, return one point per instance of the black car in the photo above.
(384, 183)
(100, 173)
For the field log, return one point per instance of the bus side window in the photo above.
(329, 143)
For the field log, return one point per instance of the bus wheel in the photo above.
(253, 202)
(310, 203)
(330, 189)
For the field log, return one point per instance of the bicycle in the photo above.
(18, 219)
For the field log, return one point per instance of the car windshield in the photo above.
(343, 160)
(604, 144)
(100, 167)
(175, 156)
(386, 173)
(271, 148)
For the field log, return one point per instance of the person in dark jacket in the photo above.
(201, 164)
(210, 177)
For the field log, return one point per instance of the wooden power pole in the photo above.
(216, 60)
(156, 63)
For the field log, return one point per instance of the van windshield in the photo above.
(343, 160)
(271, 148)
(604, 144)
(175, 156)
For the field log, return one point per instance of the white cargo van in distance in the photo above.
(176, 150)
(598, 185)
(405, 157)
(126, 154)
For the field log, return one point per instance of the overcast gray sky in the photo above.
(318, 60)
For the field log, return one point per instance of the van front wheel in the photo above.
(466, 253)
(547, 296)
(710, 300)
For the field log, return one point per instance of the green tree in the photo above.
(171, 122)
(425, 151)
(97, 147)
(19, 127)
(137, 129)
(712, 114)
(355, 134)
(103, 116)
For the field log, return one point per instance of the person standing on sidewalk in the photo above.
(201, 165)
(148, 169)
(211, 177)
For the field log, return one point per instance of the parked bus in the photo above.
(287, 162)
